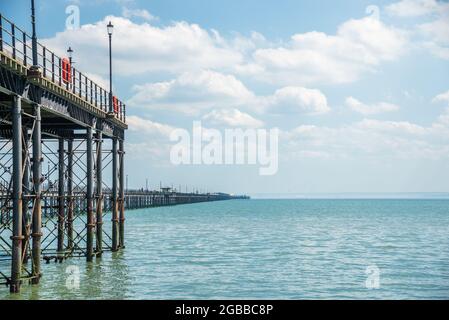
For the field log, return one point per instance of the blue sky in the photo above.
(361, 99)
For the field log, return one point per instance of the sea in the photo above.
(343, 247)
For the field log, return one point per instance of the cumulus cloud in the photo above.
(299, 100)
(372, 138)
(434, 34)
(442, 97)
(232, 118)
(366, 109)
(358, 46)
(438, 34)
(315, 57)
(139, 13)
(149, 128)
(193, 93)
(413, 8)
(152, 142)
(142, 48)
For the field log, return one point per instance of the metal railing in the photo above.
(18, 45)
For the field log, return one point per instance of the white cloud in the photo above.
(315, 57)
(298, 100)
(149, 128)
(393, 127)
(369, 138)
(438, 33)
(443, 97)
(434, 34)
(365, 109)
(413, 8)
(358, 46)
(152, 141)
(232, 118)
(99, 80)
(143, 48)
(139, 13)
(192, 93)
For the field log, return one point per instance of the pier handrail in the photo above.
(18, 44)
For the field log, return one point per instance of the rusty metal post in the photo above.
(89, 196)
(17, 237)
(70, 204)
(99, 194)
(37, 206)
(61, 197)
(122, 193)
(115, 217)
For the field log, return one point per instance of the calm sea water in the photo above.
(269, 249)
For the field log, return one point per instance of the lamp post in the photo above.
(110, 29)
(34, 36)
(70, 53)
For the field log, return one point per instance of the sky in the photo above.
(359, 90)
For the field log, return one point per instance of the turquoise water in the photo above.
(269, 249)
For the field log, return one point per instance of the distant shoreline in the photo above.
(353, 196)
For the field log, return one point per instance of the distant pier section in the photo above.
(136, 199)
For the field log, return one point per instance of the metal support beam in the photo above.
(99, 194)
(89, 197)
(122, 194)
(115, 216)
(17, 237)
(70, 204)
(37, 206)
(61, 197)
(25, 201)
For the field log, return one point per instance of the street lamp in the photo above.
(34, 37)
(70, 53)
(110, 29)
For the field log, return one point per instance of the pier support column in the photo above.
(99, 194)
(61, 197)
(115, 216)
(37, 205)
(122, 193)
(89, 197)
(17, 237)
(70, 200)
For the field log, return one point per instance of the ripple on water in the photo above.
(262, 249)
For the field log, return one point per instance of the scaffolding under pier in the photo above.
(61, 159)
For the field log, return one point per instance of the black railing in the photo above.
(18, 44)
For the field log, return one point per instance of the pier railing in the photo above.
(18, 45)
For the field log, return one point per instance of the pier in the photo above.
(62, 153)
